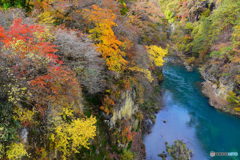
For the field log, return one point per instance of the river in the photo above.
(190, 118)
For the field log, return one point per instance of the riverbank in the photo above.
(216, 89)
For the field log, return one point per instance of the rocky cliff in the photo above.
(219, 85)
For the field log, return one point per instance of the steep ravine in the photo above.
(217, 85)
(190, 118)
(206, 34)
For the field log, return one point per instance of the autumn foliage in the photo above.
(26, 39)
(63, 62)
(107, 42)
(50, 85)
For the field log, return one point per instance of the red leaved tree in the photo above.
(29, 55)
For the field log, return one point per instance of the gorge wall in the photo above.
(206, 34)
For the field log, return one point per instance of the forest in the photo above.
(76, 77)
(80, 78)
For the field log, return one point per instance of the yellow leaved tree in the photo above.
(72, 134)
(157, 54)
(106, 41)
(16, 151)
(146, 72)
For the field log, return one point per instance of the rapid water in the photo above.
(190, 118)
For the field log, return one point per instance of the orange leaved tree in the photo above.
(106, 41)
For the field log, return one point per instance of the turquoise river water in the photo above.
(190, 118)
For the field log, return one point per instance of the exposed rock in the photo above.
(106, 116)
(173, 58)
(126, 108)
(211, 73)
(217, 96)
(217, 86)
(189, 68)
(24, 135)
(183, 58)
(147, 124)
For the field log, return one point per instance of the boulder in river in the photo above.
(189, 68)
(147, 125)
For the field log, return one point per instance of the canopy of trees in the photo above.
(65, 66)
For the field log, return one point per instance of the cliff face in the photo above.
(216, 94)
(129, 118)
(218, 85)
(126, 109)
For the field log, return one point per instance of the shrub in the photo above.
(191, 60)
(127, 155)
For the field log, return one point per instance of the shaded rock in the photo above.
(189, 68)
(106, 116)
(147, 124)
